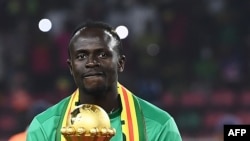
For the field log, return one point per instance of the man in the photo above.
(95, 59)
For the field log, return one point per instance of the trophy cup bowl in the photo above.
(88, 122)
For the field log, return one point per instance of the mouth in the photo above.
(92, 74)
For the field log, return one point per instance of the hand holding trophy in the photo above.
(88, 123)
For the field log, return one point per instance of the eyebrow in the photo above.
(95, 50)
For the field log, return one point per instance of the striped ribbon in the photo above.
(132, 116)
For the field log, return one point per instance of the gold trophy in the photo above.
(88, 123)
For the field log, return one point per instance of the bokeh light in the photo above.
(153, 49)
(122, 31)
(45, 25)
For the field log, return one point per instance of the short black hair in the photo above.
(101, 25)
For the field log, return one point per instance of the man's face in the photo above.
(94, 61)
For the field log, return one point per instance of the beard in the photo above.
(97, 87)
(98, 91)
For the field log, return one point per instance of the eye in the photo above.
(81, 56)
(103, 55)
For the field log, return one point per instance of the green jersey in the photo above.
(160, 126)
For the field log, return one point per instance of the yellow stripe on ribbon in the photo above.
(74, 98)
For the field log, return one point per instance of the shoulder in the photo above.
(55, 110)
(160, 124)
(44, 124)
(153, 112)
(50, 115)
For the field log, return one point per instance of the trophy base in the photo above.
(87, 138)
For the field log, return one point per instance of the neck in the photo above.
(109, 102)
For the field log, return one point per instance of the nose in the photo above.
(92, 62)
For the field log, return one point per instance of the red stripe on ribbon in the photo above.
(129, 117)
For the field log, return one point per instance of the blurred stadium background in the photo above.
(189, 57)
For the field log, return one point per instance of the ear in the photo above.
(70, 66)
(121, 63)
